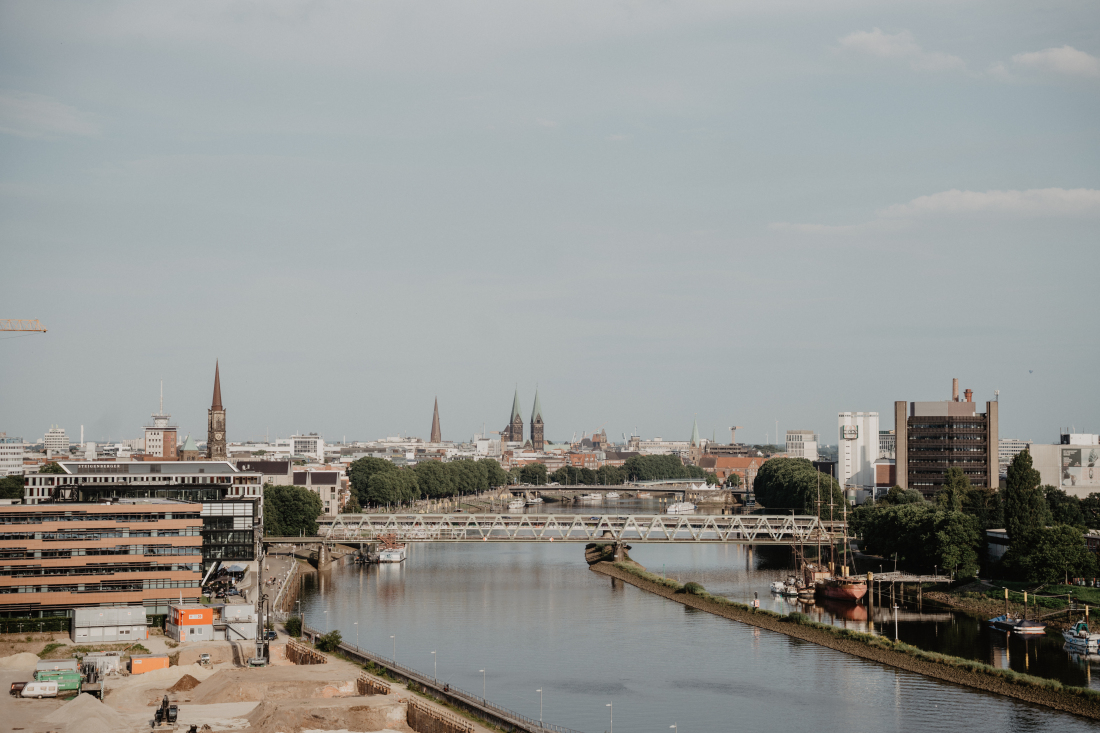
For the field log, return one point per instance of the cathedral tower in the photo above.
(437, 435)
(215, 422)
(513, 432)
(537, 426)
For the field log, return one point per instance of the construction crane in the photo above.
(15, 324)
(733, 433)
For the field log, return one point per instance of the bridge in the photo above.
(747, 529)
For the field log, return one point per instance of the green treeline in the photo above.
(1045, 527)
(378, 482)
(794, 483)
(636, 468)
(291, 511)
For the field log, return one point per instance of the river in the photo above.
(535, 617)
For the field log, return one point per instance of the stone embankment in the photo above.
(1048, 693)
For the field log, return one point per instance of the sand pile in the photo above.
(85, 714)
(185, 684)
(273, 717)
(18, 661)
(272, 683)
(173, 674)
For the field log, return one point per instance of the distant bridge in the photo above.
(748, 529)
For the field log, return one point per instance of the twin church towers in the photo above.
(513, 432)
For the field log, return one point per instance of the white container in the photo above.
(40, 689)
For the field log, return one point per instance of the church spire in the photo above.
(216, 404)
(437, 436)
(536, 411)
(515, 407)
(695, 432)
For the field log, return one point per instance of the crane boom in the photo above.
(17, 324)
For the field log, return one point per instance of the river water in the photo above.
(535, 617)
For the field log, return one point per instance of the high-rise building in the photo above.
(437, 434)
(802, 444)
(538, 439)
(887, 444)
(935, 436)
(513, 431)
(215, 422)
(161, 437)
(1008, 449)
(857, 449)
(312, 445)
(55, 442)
(11, 456)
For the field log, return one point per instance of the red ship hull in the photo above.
(842, 591)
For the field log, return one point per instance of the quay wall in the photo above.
(1072, 700)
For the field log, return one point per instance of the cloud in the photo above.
(900, 46)
(1064, 60)
(37, 116)
(1035, 202)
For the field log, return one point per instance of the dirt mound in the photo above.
(175, 673)
(85, 714)
(185, 684)
(273, 717)
(272, 683)
(17, 661)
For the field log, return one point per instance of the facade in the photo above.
(1073, 467)
(437, 434)
(857, 449)
(325, 484)
(1008, 449)
(802, 444)
(11, 456)
(161, 438)
(189, 622)
(98, 625)
(538, 428)
(312, 445)
(746, 467)
(276, 473)
(887, 444)
(215, 422)
(513, 431)
(230, 501)
(935, 436)
(55, 442)
(189, 451)
(58, 557)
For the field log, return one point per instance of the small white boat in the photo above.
(516, 504)
(535, 500)
(591, 497)
(680, 507)
(612, 495)
(1080, 641)
(392, 554)
(778, 586)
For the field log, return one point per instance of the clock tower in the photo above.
(215, 423)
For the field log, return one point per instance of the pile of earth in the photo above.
(85, 714)
(185, 684)
(19, 661)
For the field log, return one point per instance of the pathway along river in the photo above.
(534, 617)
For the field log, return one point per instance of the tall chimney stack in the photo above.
(969, 395)
(955, 389)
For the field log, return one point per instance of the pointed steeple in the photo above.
(217, 402)
(536, 411)
(437, 436)
(515, 407)
(695, 432)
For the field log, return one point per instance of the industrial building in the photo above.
(1072, 465)
(932, 437)
(58, 557)
(99, 625)
(802, 444)
(858, 447)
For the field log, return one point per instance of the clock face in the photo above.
(217, 436)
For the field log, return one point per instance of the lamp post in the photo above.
(356, 625)
(612, 714)
(394, 637)
(540, 704)
(482, 684)
(435, 665)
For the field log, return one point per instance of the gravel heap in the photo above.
(86, 714)
(18, 661)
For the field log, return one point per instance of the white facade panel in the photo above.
(857, 449)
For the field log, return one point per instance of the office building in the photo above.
(1008, 449)
(857, 449)
(11, 456)
(312, 445)
(99, 625)
(62, 556)
(326, 484)
(887, 444)
(1072, 465)
(935, 436)
(161, 437)
(230, 501)
(55, 442)
(802, 444)
(276, 473)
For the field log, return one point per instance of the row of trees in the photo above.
(290, 511)
(1044, 525)
(636, 468)
(376, 481)
(794, 483)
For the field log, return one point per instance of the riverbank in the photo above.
(1048, 693)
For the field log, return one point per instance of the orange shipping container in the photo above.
(191, 616)
(142, 663)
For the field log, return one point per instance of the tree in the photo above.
(360, 472)
(659, 468)
(955, 491)
(495, 475)
(922, 535)
(1025, 507)
(1051, 554)
(734, 479)
(329, 642)
(794, 483)
(1090, 509)
(434, 480)
(51, 467)
(897, 495)
(1064, 509)
(290, 511)
(533, 473)
(393, 488)
(11, 487)
(294, 626)
(610, 475)
(352, 507)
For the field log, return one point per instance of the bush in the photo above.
(294, 626)
(330, 641)
(694, 589)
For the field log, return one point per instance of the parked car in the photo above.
(17, 688)
(270, 635)
(204, 659)
(40, 689)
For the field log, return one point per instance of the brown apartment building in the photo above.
(935, 436)
(57, 557)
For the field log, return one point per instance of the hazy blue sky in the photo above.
(748, 211)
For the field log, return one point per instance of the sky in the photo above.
(746, 213)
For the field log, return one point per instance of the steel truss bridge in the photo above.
(748, 529)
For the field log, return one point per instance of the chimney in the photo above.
(955, 390)
(969, 395)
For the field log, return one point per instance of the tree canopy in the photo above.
(290, 511)
(659, 468)
(11, 487)
(51, 467)
(794, 483)
(923, 535)
(1025, 507)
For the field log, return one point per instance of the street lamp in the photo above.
(435, 664)
(394, 637)
(540, 704)
(356, 625)
(482, 684)
(612, 713)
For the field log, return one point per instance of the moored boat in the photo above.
(1080, 640)
(612, 495)
(591, 497)
(535, 500)
(516, 504)
(778, 586)
(680, 507)
(392, 554)
(843, 588)
(1017, 625)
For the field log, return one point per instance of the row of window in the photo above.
(22, 553)
(32, 572)
(95, 535)
(55, 516)
(129, 587)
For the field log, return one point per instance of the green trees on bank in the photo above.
(660, 468)
(794, 483)
(603, 476)
(290, 511)
(378, 482)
